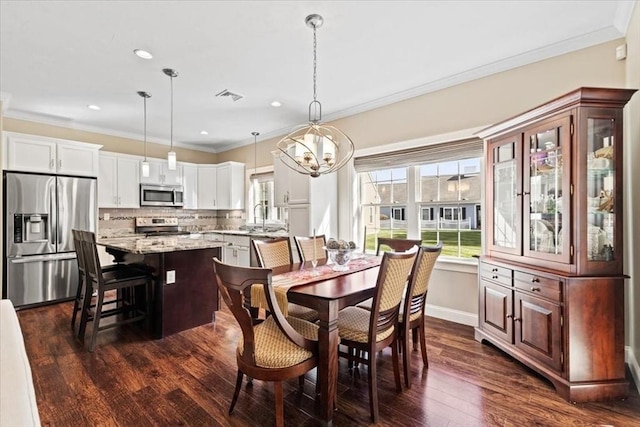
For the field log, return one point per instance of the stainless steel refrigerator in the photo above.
(39, 213)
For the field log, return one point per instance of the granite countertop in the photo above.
(200, 234)
(150, 245)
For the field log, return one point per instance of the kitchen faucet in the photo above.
(263, 204)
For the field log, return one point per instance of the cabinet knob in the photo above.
(535, 280)
(51, 164)
(59, 164)
(509, 316)
(494, 269)
(494, 277)
(516, 319)
(535, 289)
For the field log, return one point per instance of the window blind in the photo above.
(434, 153)
(262, 177)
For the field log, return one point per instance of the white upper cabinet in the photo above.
(293, 188)
(207, 188)
(280, 181)
(30, 153)
(230, 185)
(190, 185)
(118, 181)
(159, 173)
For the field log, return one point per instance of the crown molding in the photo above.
(70, 124)
(623, 16)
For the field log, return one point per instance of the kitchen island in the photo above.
(184, 294)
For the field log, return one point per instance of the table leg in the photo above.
(328, 340)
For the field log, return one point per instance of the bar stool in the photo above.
(132, 285)
(82, 280)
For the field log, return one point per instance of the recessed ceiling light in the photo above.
(204, 132)
(93, 107)
(143, 53)
(275, 104)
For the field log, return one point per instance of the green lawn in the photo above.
(469, 241)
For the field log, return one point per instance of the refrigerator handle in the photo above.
(58, 225)
(52, 214)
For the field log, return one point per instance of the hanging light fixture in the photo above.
(145, 163)
(171, 156)
(315, 148)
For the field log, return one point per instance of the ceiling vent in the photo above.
(234, 96)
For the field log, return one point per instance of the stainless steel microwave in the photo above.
(161, 195)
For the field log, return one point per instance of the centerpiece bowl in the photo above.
(340, 252)
(340, 258)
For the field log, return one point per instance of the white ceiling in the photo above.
(58, 57)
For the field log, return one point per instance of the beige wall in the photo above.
(1, 198)
(632, 195)
(109, 143)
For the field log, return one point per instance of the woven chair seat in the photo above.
(366, 304)
(304, 313)
(274, 350)
(353, 325)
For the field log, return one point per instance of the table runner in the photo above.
(283, 282)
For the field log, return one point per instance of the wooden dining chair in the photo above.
(132, 286)
(387, 244)
(395, 244)
(305, 247)
(277, 349)
(272, 253)
(414, 304)
(370, 331)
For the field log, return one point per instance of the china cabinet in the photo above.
(551, 280)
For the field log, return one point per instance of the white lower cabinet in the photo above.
(236, 250)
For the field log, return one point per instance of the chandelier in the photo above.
(315, 148)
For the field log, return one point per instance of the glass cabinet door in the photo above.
(601, 210)
(547, 191)
(506, 218)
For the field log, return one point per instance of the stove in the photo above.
(159, 227)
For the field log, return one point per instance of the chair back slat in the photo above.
(273, 252)
(396, 245)
(305, 247)
(420, 275)
(392, 279)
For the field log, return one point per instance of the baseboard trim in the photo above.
(634, 366)
(457, 316)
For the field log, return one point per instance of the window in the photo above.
(452, 190)
(439, 200)
(384, 198)
(262, 200)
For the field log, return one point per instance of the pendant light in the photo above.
(171, 156)
(315, 148)
(145, 163)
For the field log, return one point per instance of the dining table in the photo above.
(327, 294)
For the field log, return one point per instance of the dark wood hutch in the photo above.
(551, 280)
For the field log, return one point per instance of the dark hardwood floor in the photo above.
(188, 379)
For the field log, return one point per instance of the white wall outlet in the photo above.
(107, 217)
(171, 277)
(226, 215)
(621, 52)
(196, 216)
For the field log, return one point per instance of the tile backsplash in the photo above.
(121, 222)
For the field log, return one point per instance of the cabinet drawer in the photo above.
(543, 286)
(496, 274)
